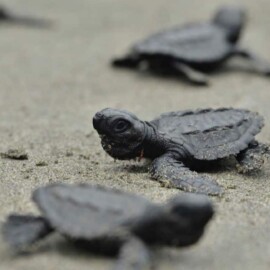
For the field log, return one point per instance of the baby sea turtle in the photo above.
(178, 140)
(194, 48)
(111, 221)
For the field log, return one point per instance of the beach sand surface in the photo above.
(54, 79)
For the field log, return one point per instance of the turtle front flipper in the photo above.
(134, 255)
(191, 74)
(20, 231)
(259, 65)
(173, 174)
(128, 61)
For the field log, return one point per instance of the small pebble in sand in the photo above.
(41, 163)
(17, 154)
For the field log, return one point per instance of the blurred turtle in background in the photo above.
(7, 17)
(193, 49)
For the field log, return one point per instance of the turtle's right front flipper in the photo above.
(172, 173)
(20, 231)
(134, 255)
(128, 61)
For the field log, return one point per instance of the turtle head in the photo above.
(232, 20)
(121, 133)
(190, 213)
(180, 222)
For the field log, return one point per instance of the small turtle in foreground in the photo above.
(178, 140)
(194, 48)
(111, 221)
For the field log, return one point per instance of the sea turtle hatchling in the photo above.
(111, 221)
(178, 140)
(194, 48)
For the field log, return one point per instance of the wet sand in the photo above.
(54, 80)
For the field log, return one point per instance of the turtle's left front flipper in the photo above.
(134, 255)
(260, 65)
(173, 173)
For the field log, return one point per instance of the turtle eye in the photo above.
(121, 126)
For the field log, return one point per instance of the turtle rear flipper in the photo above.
(252, 158)
(259, 65)
(23, 230)
(173, 173)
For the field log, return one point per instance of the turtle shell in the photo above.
(210, 134)
(87, 211)
(195, 43)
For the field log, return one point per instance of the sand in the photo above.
(54, 80)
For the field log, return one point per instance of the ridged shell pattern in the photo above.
(87, 211)
(209, 134)
(192, 43)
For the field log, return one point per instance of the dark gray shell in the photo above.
(210, 134)
(86, 211)
(191, 43)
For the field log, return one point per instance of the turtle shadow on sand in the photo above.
(214, 166)
(68, 247)
(141, 167)
(237, 66)
(230, 67)
(57, 244)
